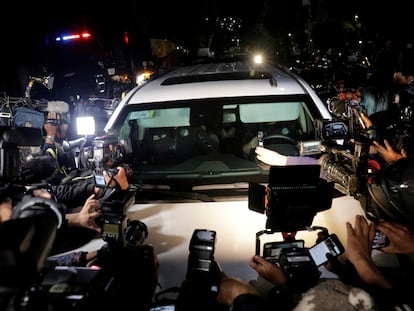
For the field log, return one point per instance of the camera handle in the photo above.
(287, 236)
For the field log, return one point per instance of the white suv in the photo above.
(190, 136)
(199, 125)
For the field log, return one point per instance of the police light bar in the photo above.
(74, 36)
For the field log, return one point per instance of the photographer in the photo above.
(127, 274)
(55, 133)
(82, 221)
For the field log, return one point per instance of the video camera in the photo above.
(290, 204)
(12, 174)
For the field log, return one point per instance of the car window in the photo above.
(173, 135)
(269, 112)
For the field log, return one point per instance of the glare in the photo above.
(140, 78)
(258, 59)
(144, 76)
(75, 36)
(85, 125)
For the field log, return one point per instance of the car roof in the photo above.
(220, 80)
(224, 80)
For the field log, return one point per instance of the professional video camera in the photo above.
(200, 287)
(290, 204)
(13, 177)
(345, 142)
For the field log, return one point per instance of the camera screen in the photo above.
(111, 228)
(271, 250)
(100, 180)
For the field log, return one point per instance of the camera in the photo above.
(272, 250)
(99, 176)
(124, 274)
(300, 269)
(11, 139)
(200, 287)
(106, 149)
(27, 240)
(290, 203)
(201, 256)
(113, 205)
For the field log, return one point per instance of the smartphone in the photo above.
(380, 240)
(331, 245)
(271, 250)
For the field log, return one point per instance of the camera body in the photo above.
(113, 207)
(106, 150)
(11, 139)
(201, 256)
(299, 268)
(200, 287)
(290, 203)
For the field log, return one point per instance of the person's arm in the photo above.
(239, 295)
(273, 158)
(359, 248)
(386, 151)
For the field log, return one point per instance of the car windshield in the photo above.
(182, 144)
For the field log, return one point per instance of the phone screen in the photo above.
(380, 240)
(330, 245)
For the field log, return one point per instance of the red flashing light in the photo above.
(126, 38)
(85, 35)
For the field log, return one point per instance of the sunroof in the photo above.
(218, 77)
